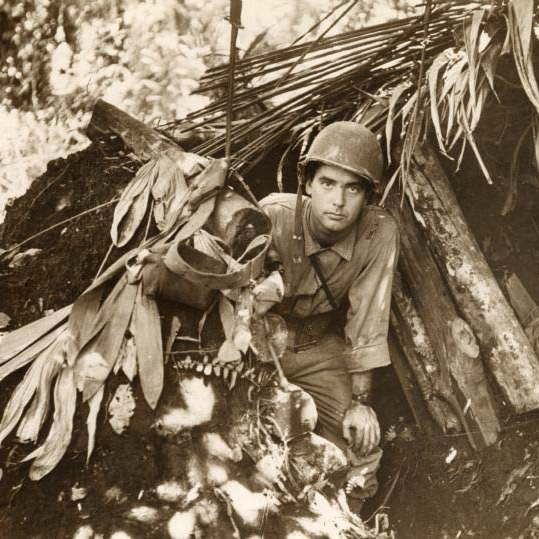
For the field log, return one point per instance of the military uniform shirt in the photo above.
(360, 265)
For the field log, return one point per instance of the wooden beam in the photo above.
(454, 345)
(143, 140)
(503, 342)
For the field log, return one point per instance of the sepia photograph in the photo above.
(269, 269)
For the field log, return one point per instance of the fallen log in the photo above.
(143, 140)
(454, 345)
(503, 342)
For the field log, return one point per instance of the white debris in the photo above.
(84, 532)
(181, 525)
(171, 491)
(218, 448)
(250, 506)
(120, 534)
(217, 474)
(78, 493)
(114, 494)
(199, 402)
(121, 408)
(451, 456)
(207, 512)
(144, 513)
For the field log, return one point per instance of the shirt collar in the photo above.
(344, 247)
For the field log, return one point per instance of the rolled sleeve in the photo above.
(370, 300)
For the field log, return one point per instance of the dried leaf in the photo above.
(121, 408)
(129, 364)
(520, 27)
(226, 312)
(35, 416)
(489, 59)
(432, 79)
(132, 206)
(510, 201)
(15, 342)
(21, 396)
(91, 369)
(94, 404)
(47, 456)
(107, 343)
(21, 258)
(30, 353)
(470, 139)
(83, 314)
(536, 140)
(167, 191)
(393, 100)
(149, 345)
(471, 41)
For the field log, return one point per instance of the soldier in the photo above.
(338, 256)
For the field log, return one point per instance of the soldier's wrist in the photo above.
(362, 397)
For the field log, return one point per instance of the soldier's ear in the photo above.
(308, 185)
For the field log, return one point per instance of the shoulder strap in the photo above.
(318, 270)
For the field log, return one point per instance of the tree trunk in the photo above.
(454, 345)
(503, 342)
(143, 140)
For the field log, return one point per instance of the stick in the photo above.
(235, 21)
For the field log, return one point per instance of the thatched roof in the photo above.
(433, 72)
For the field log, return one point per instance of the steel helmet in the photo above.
(350, 146)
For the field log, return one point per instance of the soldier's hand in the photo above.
(360, 428)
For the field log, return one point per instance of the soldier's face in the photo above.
(338, 197)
